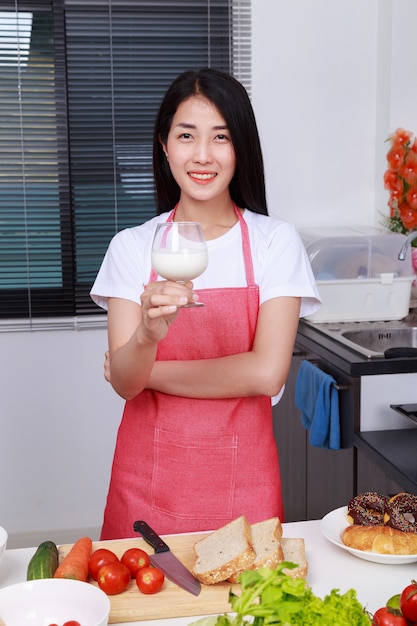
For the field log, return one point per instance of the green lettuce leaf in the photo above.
(270, 597)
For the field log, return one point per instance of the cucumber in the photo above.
(44, 562)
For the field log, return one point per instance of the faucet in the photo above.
(403, 252)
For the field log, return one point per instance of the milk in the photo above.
(180, 265)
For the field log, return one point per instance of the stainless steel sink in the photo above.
(382, 339)
(375, 339)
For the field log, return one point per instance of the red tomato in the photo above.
(113, 578)
(408, 602)
(388, 617)
(135, 559)
(99, 558)
(71, 623)
(150, 579)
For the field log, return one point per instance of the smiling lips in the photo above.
(202, 176)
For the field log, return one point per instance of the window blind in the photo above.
(80, 85)
(33, 255)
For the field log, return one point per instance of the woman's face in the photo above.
(200, 151)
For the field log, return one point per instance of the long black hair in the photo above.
(247, 187)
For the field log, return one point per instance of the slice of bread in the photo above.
(294, 551)
(224, 551)
(266, 537)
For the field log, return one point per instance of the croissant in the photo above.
(380, 539)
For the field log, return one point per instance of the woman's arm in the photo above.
(262, 371)
(134, 332)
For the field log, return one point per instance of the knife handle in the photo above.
(150, 536)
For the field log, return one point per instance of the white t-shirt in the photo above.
(280, 262)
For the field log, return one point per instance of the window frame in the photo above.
(30, 306)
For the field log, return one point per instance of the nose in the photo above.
(202, 152)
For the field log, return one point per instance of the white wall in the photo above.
(314, 92)
(331, 79)
(58, 427)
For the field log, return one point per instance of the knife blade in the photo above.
(166, 561)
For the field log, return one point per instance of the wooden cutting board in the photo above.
(171, 601)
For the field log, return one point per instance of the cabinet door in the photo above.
(314, 480)
(331, 473)
(291, 442)
(330, 480)
(372, 478)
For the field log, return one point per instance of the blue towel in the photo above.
(318, 400)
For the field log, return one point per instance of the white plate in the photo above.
(333, 524)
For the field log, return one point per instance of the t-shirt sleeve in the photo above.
(122, 272)
(286, 269)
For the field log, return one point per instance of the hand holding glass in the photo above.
(179, 252)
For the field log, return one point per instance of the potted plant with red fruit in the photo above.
(400, 179)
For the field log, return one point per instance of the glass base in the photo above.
(192, 305)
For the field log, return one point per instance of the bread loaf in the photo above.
(294, 551)
(266, 537)
(224, 552)
(237, 547)
(380, 539)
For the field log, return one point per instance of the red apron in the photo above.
(186, 464)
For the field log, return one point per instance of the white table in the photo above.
(330, 567)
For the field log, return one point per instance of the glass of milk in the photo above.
(179, 252)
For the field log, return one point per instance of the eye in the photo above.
(222, 137)
(186, 136)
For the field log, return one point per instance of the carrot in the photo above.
(75, 564)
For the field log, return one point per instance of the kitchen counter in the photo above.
(330, 567)
(310, 336)
(393, 451)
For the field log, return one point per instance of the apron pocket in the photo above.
(194, 477)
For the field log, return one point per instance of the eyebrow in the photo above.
(191, 126)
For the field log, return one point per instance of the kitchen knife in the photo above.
(166, 561)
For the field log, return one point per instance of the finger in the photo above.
(164, 299)
(163, 311)
(169, 287)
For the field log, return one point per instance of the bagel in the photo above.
(401, 512)
(367, 509)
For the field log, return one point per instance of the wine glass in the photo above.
(179, 252)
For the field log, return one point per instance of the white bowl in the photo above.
(3, 541)
(53, 600)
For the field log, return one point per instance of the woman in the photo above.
(195, 447)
